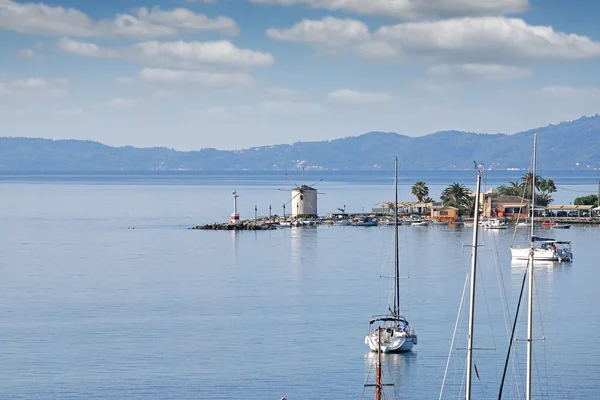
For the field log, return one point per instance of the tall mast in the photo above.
(472, 296)
(396, 261)
(530, 295)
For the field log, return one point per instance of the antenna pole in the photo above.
(530, 295)
(472, 296)
(378, 376)
(396, 260)
(283, 210)
(255, 211)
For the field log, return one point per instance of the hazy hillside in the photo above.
(560, 147)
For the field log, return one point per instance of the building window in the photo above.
(443, 212)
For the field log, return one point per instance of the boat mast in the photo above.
(378, 376)
(530, 296)
(396, 261)
(378, 371)
(472, 296)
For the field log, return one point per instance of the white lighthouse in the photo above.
(235, 217)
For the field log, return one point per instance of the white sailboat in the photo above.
(542, 249)
(392, 332)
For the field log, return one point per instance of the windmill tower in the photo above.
(304, 198)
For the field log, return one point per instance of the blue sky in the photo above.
(229, 74)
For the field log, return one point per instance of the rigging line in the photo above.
(510, 343)
(537, 294)
(462, 300)
(487, 303)
(502, 287)
(575, 190)
(366, 380)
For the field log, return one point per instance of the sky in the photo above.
(231, 74)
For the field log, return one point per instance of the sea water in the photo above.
(106, 293)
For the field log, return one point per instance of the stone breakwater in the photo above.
(242, 226)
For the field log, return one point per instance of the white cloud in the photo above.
(125, 80)
(570, 92)
(484, 40)
(38, 45)
(83, 49)
(31, 87)
(165, 94)
(327, 34)
(120, 103)
(202, 1)
(216, 112)
(71, 112)
(186, 20)
(62, 81)
(178, 54)
(201, 78)
(447, 76)
(281, 92)
(412, 8)
(356, 97)
(41, 19)
(478, 71)
(26, 53)
(290, 108)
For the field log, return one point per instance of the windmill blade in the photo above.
(316, 182)
(296, 195)
(290, 178)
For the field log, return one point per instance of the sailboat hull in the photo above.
(397, 342)
(541, 254)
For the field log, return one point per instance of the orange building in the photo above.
(441, 213)
(505, 206)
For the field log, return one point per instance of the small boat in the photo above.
(495, 223)
(342, 222)
(440, 223)
(555, 225)
(365, 221)
(423, 222)
(392, 332)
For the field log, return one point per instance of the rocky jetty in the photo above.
(242, 226)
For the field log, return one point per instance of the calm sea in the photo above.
(105, 293)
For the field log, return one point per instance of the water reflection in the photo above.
(303, 244)
(398, 368)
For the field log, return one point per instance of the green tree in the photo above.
(512, 189)
(589, 200)
(468, 206)
(420, 190)
(428, 200)
(546, 188)
(455, 195)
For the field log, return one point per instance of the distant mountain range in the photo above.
(566, 146)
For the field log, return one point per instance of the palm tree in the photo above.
(420, 190)
(455, 194)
